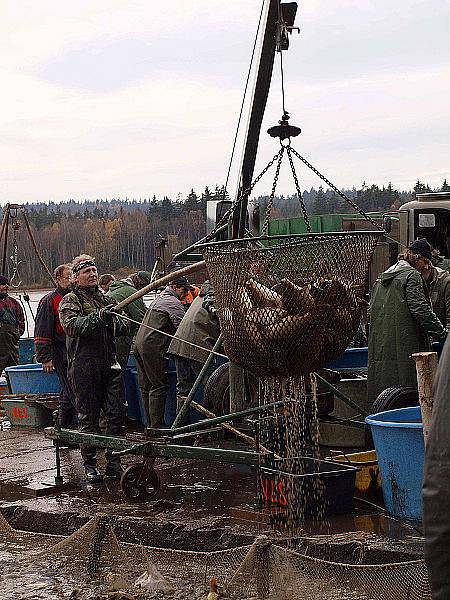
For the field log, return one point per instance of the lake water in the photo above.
(30, 307)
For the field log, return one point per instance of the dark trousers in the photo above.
(67, 412)
(98, 386)
(187, 372)
(153, 383)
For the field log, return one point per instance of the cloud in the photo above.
(106, 98)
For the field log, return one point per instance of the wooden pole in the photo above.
(426, 366)
(231, 429)
(159, 283)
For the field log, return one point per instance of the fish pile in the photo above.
(292, 329)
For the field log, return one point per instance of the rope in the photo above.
(243, 101)
(174, 337)
(280, 27)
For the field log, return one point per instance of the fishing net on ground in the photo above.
(263, 570)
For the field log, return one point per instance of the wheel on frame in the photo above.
(140, 483)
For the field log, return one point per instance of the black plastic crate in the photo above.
(292, 485)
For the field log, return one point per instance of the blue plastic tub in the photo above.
(31, 379)
(398, 439)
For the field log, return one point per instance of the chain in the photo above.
(245, 193)
(265, 226)
(14, 259)
(299, 194)
(335, 189)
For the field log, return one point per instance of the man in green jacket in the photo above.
(120, 290)
(401, 321)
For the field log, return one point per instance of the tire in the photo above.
(396, 397)
(217, 390)
(389, 399)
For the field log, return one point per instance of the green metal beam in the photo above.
(342, 396)
(151, 448)
(222, 419)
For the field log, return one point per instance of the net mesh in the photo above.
(262, 570)
(289, 307)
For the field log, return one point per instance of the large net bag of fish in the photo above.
(292, 305)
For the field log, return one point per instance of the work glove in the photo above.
(106, 316)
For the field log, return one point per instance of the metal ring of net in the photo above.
(288, 305)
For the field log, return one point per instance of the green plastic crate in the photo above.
(26, 414)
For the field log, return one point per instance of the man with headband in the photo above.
(93, 370)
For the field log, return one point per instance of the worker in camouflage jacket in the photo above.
(436, 487)
(94, 372)
(50, 344)
(120, 290)
(438, 284)
(162, 317)
(12, 326)
(401, 321)
(200, 326)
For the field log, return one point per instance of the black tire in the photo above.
(217, 390)
(396, 397)
(389, 399)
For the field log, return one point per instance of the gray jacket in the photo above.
(200, 326)
(164, 314)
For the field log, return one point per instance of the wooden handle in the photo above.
(160, 282)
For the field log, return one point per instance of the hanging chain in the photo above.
(299, 193)
(265, 226)
(245, 193)
(335, 189)
(15, 257)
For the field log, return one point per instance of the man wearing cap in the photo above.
(120, 290)
(50, 344)
(401, 321)
(162, 317)
(94, 373)
(12, 326)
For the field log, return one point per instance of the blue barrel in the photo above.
(398, 439)
(31, 379)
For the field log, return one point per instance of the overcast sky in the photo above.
(106, 98)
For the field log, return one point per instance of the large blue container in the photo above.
(398, 439)
(31, 379)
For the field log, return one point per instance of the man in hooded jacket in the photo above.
(152, 342)
(436, 488)
(200, 326)
(120, 290)
(401, 321)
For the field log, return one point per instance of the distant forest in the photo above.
(122, 233)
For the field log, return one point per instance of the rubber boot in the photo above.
(156, 410)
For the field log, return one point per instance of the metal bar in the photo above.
(33, 242)
(58, 478)
(182, 414)
(342, 396)
(203, 239)
(223, 418)
(158, 283)
(243, 436)
(151, 448)
(258, 102)
(5, 241)
(291, 236)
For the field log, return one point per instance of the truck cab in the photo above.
(428, 216)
